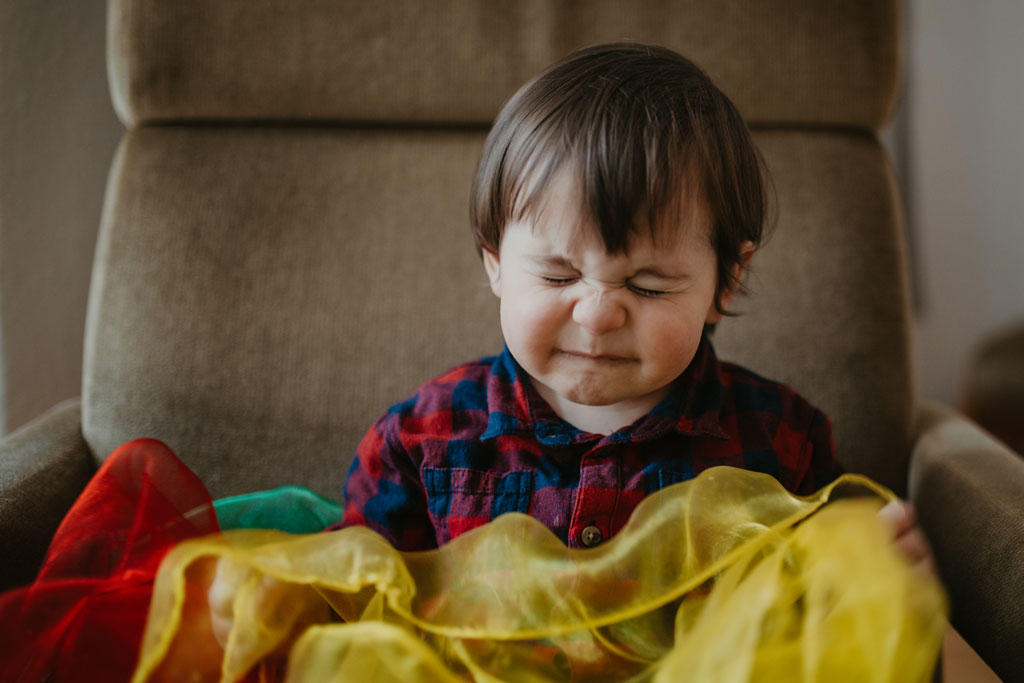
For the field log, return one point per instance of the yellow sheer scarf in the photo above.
(724, 578)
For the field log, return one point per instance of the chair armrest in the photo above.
(969, 492)
(43, 467)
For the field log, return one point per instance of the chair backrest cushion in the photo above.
(285, 247)
(261, 295)
(457, 61)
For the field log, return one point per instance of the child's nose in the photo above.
(599, 312)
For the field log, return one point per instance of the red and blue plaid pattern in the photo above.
(478, 441)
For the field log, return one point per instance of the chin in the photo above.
(592, 397)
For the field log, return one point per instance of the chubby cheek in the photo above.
(531, 327)
(669, 346)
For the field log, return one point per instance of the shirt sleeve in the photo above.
(820, 464)
(384, 491)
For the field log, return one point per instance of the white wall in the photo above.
(965, 121)
(57, 136)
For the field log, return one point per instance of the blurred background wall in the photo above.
(958, 143)
(57, 136)
(965, 162)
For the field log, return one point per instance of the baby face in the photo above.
(600, 333)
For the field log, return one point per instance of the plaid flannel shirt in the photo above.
(479, 441)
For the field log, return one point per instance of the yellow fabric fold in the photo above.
(726, 577)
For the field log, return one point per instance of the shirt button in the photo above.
(590, 536)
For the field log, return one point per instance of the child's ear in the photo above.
(492, 264)
(747, 250)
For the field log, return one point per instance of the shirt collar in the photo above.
(691, 408)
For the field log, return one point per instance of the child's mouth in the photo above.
(598, 357)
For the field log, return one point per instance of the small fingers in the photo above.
(915, 548)
(899, 515)
(901, 519)
(220, 596)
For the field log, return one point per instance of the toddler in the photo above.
(618, 201)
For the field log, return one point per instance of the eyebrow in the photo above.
(549, 260)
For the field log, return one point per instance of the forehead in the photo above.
(560, 216)
(562, 237)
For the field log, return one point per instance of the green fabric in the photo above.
(292, 509)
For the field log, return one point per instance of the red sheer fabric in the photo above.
(83, 617)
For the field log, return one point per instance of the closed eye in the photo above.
(639, 291)
(644, 292)
(561, 281)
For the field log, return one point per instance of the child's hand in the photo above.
(283, 607)
(901, 518)
(228, 578)
(221, 597)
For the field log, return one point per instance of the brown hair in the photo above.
(639, 123)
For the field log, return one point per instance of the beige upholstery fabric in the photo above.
(785, 61)
(263, 294)
(828, 309)
(266, 293)
(967, 489)
(43, 467)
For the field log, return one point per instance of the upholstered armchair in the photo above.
(285, 250)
